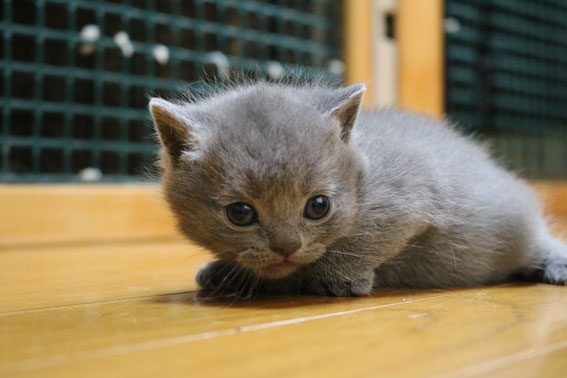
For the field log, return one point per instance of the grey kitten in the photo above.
(295, 190)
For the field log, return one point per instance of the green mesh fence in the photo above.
(76, 74)
(506, 78)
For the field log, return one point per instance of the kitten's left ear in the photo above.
(344, 105)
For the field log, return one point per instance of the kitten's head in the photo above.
(263, 175)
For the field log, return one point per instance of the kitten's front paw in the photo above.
(217, 276)
(359, 287)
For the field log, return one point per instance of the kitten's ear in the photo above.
(344, 105)
(173, 127)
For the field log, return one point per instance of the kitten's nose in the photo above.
(285, 245)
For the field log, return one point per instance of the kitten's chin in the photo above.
(277, 270)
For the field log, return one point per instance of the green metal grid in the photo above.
(64, 109)
(506, 79)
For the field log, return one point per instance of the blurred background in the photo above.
(76, 74)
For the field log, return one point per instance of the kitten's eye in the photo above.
(317, 207)
(241, 214)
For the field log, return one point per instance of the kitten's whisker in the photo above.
(230, 292)
(222, 288)
(252, 287)
(237, 277)
(345, 253)
(243, 284)
(235, 289)
(223, 269)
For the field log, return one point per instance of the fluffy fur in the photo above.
(413, 202)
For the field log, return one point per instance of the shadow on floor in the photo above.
(203, 298)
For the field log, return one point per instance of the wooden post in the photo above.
(421, 56)
(358, 45)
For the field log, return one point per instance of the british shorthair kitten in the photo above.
(295, 190)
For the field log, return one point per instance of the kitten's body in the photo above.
(471, 222)
(414, 204)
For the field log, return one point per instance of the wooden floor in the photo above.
(119, 299)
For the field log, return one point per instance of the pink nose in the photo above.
(285, 246)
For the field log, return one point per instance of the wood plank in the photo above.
(35, 216)
(353, 337)
(50, 277)
(421, 58)
(41, 214)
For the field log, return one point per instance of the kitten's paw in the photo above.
(556, 273)
(204, 276)
(227, 278)
(344, 288)
(214, 276)
(553, 269)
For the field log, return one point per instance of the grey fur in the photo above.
(414, 203)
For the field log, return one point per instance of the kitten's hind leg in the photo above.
(554, 268)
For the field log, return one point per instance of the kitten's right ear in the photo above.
(173, 127)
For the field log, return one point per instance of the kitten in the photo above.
(295, 190)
